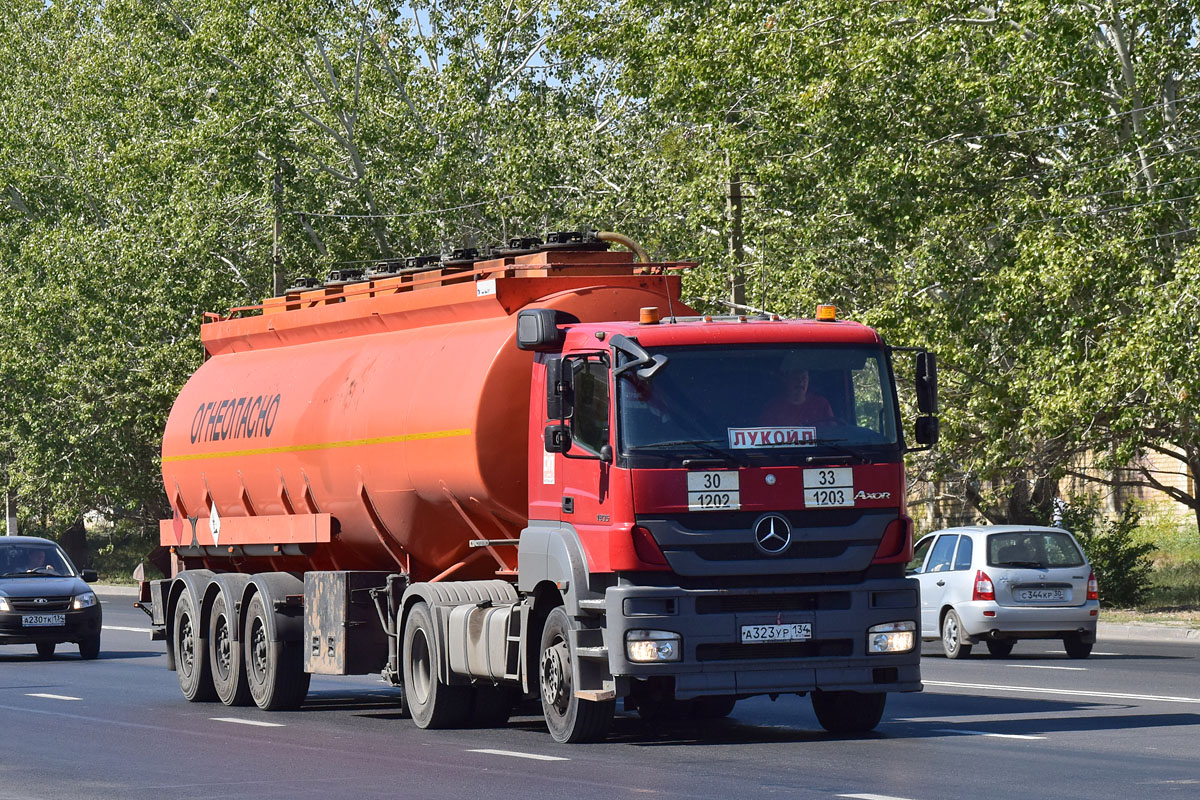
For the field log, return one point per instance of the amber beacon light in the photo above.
(827, 313)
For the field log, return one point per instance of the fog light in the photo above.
(644, 647)
(892, 637)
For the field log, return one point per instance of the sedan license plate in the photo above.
(1028, 595)
(43, 620)
(792, 632)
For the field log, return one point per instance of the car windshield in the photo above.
(1033, 549)
(774, 404)
(21, 559)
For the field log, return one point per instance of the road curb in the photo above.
(1145, 632)
(115, 590)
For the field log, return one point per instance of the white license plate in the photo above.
(793, 632)
(1040, 594)
(839, 496)
(715, 490)
(43, 620)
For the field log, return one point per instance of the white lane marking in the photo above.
(1094, 652)
(1047, 666)
(52, 696)
(872, 797)
(124, 628)
(534, 756)
(248, 722)
(985, 733)
(1066, 692)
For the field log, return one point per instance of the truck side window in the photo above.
(589, 426)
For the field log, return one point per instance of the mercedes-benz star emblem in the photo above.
(772, 534)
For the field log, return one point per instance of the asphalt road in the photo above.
(1122, 725)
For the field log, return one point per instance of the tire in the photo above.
(1000, 647)
(1076, 647)
(191, 653)
(431, 703)
(848, 712)
(570, 719)
(952, 637)
(45, 649)
(492, 705)
(274, 670)
(225, 656)
(89, 648)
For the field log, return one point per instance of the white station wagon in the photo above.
(1000, 583)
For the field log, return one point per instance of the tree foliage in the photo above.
(1012, 185)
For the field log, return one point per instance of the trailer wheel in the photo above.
(191, 652)
(274, 670)
(569, 718)
(225, 656)
(431, 703)
(848, 712)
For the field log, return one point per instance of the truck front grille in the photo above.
(820, 648)
(793, 601)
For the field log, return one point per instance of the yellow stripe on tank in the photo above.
(300, 448)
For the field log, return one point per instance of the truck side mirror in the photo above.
(559, 389)
(927, 430)
(558, 438)
(927, 392)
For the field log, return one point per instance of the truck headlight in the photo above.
(644, 647)
(85, 600)
(892, 637)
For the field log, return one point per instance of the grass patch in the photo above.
(1174, 591)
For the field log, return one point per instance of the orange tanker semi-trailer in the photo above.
(353, 433)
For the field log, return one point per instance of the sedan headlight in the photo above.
(645, 647)
(85, 600)
(4, 606)
(892, 637)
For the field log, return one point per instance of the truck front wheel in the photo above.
(274, 670)
(431, 703)
(848, 712)
(191, 652)
(569, 718)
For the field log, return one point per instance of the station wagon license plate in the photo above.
(791, 632)
(1027, 595)
(43, 620)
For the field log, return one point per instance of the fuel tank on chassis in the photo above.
(399, 435)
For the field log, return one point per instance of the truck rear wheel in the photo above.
(848, 712)
(274, 670)
(225, 656)
(431, 703)
(569, 718)
(191, 652)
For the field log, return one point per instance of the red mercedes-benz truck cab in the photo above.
(493, 478)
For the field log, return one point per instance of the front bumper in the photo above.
(1010, 622)
(80, 625)
(715, 661)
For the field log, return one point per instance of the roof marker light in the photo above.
(827, 313)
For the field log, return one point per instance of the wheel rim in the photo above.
(223, 648)
(420, 667)
(950, 633)
(556, 676)
(187, 645)
(258, 650)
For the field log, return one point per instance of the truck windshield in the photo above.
(760, 403)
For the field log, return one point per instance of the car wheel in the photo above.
(274, 670)
(848, 712)
(1076, 647)
(953, 636)
(1000, 647)
(89, 648)
(431, 703)
(191, 652)
(569, 718)
(45, 649)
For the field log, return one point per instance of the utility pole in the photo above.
(737, 251)
(277, 281)
(10, 511)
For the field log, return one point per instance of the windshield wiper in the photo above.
(707, 445)
(832, 444)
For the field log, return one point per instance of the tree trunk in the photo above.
(74, 541)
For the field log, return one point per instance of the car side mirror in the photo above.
(89, 575)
